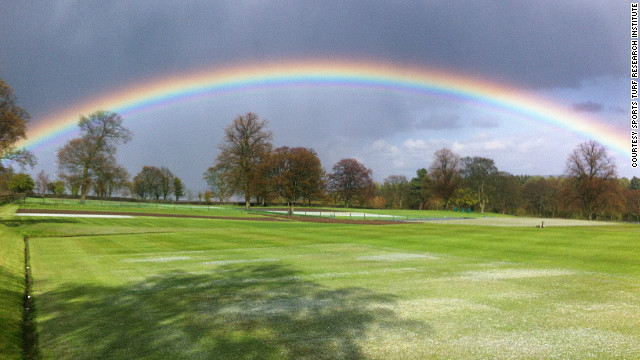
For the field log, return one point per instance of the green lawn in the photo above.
(199, 289)
(11, 288)
(123, 206)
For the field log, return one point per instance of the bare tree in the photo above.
(84, 156)
(245, 144)
(167, 182)
(350, 179)
(42, 182)
(590, 169)
(445, 172)
(219, 186)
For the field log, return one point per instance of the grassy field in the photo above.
(118, 206)
(11, 288)
(239, 211)
(170, 288)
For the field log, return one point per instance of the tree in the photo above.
(421, 188)
(218, 184)
(73, 182)
(42, 181)
(396, 190)
(505, 195)
(633, 204)
(207, 197)
(148, 183)
(95, 149)
(590, 170)
(541, 195)
(167, 182)
(13, 128)
(178, 188)
(464, 197)
(479, 174)
(21, 183)
(350, 179)
(245, 144)
(56, 187)
(110, 177)
(634, 184)
(445, 173)
(295, 172)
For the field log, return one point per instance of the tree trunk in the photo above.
(290, 212)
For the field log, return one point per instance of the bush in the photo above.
(21, 183)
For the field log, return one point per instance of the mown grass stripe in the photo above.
(29, 332)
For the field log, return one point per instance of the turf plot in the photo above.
(187, 288)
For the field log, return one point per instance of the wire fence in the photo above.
(7, 197)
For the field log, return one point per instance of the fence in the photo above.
(7, 197)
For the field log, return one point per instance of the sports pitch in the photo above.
(172, 288)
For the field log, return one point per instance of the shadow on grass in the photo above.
(35, 221)
(11, 296)
(248, 312)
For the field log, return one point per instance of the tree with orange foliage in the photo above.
(295, 173)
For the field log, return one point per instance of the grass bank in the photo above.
(11, 287)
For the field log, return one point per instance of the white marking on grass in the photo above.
(396, 257)
(241, 261)
(506, 274)
(79, 215)
(340, 214)
(158, 259)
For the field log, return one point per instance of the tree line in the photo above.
(249, 166)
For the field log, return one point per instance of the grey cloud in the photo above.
(57, 51)
(485, 123)
(588, 107)
(441, 122)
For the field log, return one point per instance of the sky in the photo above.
(573, 54)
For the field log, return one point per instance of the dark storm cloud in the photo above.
(588, 107)
(59, 52)
(56, 51)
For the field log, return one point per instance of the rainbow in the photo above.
(358, 74)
